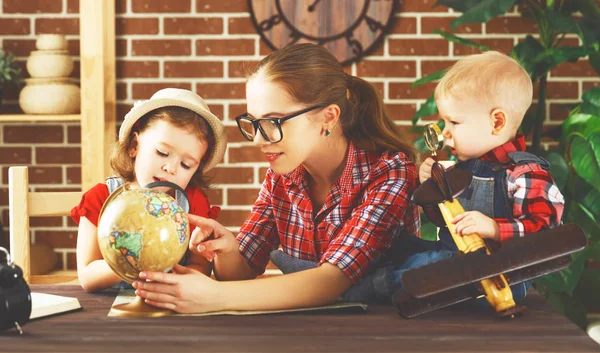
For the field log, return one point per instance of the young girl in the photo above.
(172, 137)
(336, 196)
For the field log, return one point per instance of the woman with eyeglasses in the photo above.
(335, 198)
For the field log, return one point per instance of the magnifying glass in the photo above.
(433, 138)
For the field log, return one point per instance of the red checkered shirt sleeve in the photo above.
(537, 202)
(258, 235)
(367, 234)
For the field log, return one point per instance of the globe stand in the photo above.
(139, 308)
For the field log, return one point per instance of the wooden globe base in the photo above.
(138, 308)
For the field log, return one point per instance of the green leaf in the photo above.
(555, 56)
(428, 229)
(483, 11)
(456, 39)
(587, 196)
(528, 122)
(585, 157)
(584, 124)
(428, 108)
(588, 289)
(561, 23)
(525, 53)
(572, 274)
(558, 169)
(577, 214)
(432, 77)
(591, 102)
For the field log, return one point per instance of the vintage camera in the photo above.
(15, 296)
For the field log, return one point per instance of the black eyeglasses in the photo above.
(270, 128)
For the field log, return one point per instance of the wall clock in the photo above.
(349, 29)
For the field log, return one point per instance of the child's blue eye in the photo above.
(185, 166)
(162, 154)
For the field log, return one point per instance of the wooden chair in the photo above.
(24, 204)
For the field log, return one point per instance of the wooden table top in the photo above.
(380, 329)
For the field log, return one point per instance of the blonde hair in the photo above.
(491, 78)
(123, 164)
(313, 76)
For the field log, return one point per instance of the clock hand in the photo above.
(311, 8)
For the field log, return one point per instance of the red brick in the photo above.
(33, 134)
(19, 47)
(221, 90)
(510, 25)
(58, 155)
(240, 25)
(430, 66)
(234, 135)
(73, 175)
(221, 6)
(73, 47)
(235, 110)
(160, 6)
(122, 90)
(404, 25)
(15, 155)
(590, 85)
(581, 68)
(436, 47)
(146, 90)
(136, 26)
(207, 47)
(71, 261)
(193, 69)
(263, 48)
(32, 6)
(130, 68)
(57, 25)
(374, 68)
(501, 44)
(401, 112)
(121, 6)
(40, 175)
(73, 134)
(246, 154)
(186, 25)
(45, 221)
(4, 196)
(233, 218)
(53, 188)
(558, 111)
(121, 47)
(402, 90)
(14, 26)
(215, 196)
(261, 173)
(218, 110)
(241, 68)
(236, 175)
(240, 197)
(428, 24)
(559, 90)
(72, 6)
(172, 47)
(57, 238)
(421, 6)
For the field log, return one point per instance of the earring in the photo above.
(327, 132)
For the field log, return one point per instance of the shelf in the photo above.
(6, 118)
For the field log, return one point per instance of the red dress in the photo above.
(94, 198)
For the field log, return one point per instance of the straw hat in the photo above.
(176, 97)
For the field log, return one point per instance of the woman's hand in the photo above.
(210, 238)
(184, 291)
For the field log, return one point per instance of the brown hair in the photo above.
(123, 164)
(313, 76)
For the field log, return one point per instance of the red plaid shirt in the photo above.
(537, 201)
(354, 226)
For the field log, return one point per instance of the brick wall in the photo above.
(201, 45)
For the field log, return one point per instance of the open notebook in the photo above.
(127, 295)
(43, 304)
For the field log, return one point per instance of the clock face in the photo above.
(349, 29)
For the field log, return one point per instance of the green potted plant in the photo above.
(10, 73)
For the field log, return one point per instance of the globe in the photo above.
(142, 230)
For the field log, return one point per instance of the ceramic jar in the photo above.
(49, 63)
(58, 95)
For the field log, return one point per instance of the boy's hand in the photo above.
(425, 169)
(210, 238)
(476, 222)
